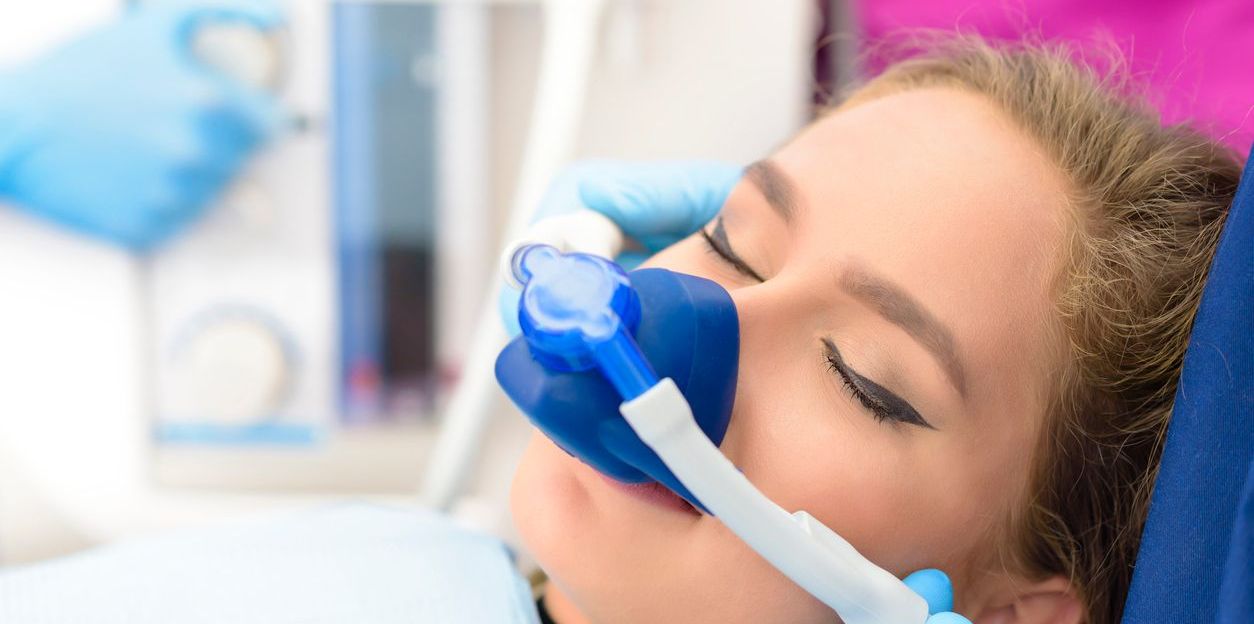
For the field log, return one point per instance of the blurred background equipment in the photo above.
(298, 342)
(301, 334)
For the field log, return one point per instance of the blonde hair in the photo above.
(1149, 202)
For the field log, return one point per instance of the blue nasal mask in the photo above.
(578, 311)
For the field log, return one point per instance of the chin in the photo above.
(623, 558)
(591, 540)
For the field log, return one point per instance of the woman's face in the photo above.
(892, 363)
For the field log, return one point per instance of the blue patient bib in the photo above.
(1198, 518)
(352, 564)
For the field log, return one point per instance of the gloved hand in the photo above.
(935, 588)
(655, 203)
(122, 134)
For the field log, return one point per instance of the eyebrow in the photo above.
(775, 186)
(900, 308)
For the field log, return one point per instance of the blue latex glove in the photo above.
(655, 203)
(122, 134)
(935, 588)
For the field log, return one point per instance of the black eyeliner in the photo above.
(886, 403)
(717, 240)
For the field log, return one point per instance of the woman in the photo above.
(964, 298)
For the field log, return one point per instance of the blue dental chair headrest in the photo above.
(1196, 562)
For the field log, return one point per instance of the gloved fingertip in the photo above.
(259, 111)
(934, 586)
(630, 207)
(601, 195)
(141, 245)
(164, 227)
(723, 176)
(269, 117)
(719, 180)
(630, 260)
(654, 243)
(136, 235)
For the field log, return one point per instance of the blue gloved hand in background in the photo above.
(935, 588)
(124, 135)
(656, 203)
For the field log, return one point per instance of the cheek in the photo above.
(904, 499)
(817, 453)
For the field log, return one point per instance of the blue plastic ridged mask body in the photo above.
(579, 312)
(685, 326)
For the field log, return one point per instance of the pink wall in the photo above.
(1197, 58)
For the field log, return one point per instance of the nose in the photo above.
(767, 315)
(773, 319)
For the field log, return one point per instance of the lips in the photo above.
(653, 493)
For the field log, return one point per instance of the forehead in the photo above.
(939, 190)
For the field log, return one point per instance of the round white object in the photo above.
(230, 371)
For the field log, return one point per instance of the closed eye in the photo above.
(882, 403)
(717, 242)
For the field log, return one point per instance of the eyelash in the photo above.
(876, 407)
(877, 410)
(712, 246)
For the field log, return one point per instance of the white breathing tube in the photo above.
(798, 545)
